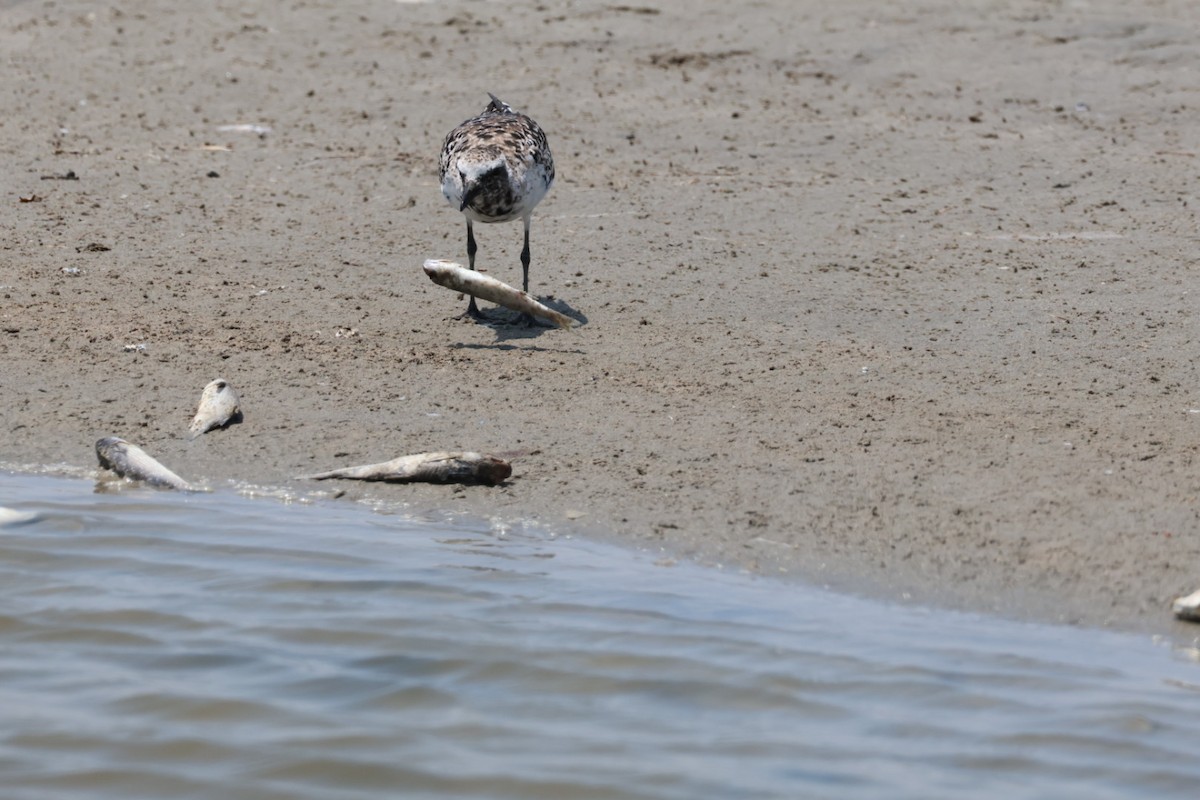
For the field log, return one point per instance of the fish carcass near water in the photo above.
(219, 406)
(133, 463)
(1188, 607)
(429, 468)
(10, 517)
(460, 279)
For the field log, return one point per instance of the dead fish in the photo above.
(10, 517)
(132, 462)
(458, 278)
(1188, 607)
(219, 406)
(427, 467)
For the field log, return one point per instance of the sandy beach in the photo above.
(892, 297)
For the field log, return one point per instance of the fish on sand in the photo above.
(1188, 607)
(451, 467)
(219, 407)
(133, 463)
(459, 279)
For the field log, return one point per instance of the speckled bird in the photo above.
(496, 167)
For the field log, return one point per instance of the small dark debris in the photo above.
(33, 198)
(676, 59)
(212, 173)
(94, 247)
(69, 175)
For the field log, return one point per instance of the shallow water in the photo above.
(158, 645)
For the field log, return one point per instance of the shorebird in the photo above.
(496, 167)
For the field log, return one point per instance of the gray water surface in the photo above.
(158, 645)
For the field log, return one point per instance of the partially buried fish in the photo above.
(460, 279)
(427, 467)
(132, 462)
(1188, 607)
(10, 517)
(219, 406)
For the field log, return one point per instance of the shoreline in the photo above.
(896, 300)
(381, 498)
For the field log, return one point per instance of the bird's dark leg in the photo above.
(472, 309)
(525, 319)
(525, 257)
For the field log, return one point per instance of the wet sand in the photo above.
(898, 300)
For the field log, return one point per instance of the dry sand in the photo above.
(897, 297)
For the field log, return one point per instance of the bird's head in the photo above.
(479, 179)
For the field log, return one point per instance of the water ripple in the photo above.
(159, 646)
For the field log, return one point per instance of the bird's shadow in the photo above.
(509, 327)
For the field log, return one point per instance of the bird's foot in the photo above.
(474, 313)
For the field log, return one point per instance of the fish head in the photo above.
(219, 406)
(106, 449)
(439, 266)
(213, 389)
